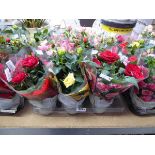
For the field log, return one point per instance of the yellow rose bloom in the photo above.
(69, 80)
(137, 44)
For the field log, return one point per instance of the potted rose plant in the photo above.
(112, 76)
(66, 53)
(26, 75)
(144, 97)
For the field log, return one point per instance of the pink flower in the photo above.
(44, 47)
(124, 51)
(115, 49)
(132, 58)
(68, 46)
(120, 38)
(147, 92)
(146, 98)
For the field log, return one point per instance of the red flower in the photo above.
(120, 38)
(109, 57)
(146, 98)
(30, 61)
(85, 40)
(19, 78)
(124, 51)
(123, 45)
(97, 61)
(151, 86)
(132, 58)
(134, 70)
(8, 40)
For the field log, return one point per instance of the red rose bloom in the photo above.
(85, 40)
(109, 57)
(134, 70)
(19, 78)
(132, 58)
(8, 40)
(30, 61)
(124, 51)
(97, 61)
(120, 38)
(123, 45)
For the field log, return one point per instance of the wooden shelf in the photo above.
(27, 119)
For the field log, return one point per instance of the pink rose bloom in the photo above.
(68, 46)
(151, 86)
(146, 98)
(44, 47)
(147, 92)
(115, 49)
(120, 38)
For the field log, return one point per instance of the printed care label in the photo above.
(8, 74)
(81, 109)
(39, 52)
(105, 77)
(10, 65)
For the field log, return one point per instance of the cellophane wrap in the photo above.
(144, 98)
(45, 86)
(107, 91)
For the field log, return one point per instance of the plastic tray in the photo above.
(118, 106)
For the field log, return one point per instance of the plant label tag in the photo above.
(8, 74)
(10, 65)
(105, 77)
(81, 109)
(94, 52)
(39, 52)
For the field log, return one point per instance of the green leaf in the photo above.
(68, 65)
(132, 80)
(79, 79)
(121, 70)
(105, 72)
(56, 70)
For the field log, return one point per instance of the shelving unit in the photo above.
(27, 122)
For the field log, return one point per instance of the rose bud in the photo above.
(8, 40)
(85, 40)
(132, 59)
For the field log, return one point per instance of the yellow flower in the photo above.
(69, 80)
(136, 43)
